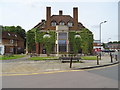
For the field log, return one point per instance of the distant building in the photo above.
(11, 43)
(113, 46)
(61, 24)
(97, 47)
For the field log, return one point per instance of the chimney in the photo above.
(75, 17)
(60, 12)
(48, 15)
(48, 12)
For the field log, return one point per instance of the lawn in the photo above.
(56, 58)
(89, 58)
(43, 58)
(11, 57)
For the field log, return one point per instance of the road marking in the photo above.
(57, 71)
(41, 73)
(100, 67)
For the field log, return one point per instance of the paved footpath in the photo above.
(23, 65)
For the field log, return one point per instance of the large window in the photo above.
(53, 23)
(62, 35)
(62, 23)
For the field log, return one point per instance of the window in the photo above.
(9, 34)
(15, 35)
(53, 23)
(62, 36)
(62, 23)
(70, 24)
(11, 41)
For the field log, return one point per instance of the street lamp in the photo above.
(100, 36)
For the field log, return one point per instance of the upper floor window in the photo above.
(70, 24)
(62, 23)
(9, 34)
(15, 35)
(53, 23)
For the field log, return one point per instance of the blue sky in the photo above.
(27, 13)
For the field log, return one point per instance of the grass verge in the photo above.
(89, 58)
(11, 57)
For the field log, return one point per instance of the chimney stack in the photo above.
(48, 15)
(75, 17)
(60, 12)
(48, 12)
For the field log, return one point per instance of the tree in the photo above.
(30, 40)
(18, 30)
(85, 42)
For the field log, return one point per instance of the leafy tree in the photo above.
(85, 42)
(30, 41)
(18, 30)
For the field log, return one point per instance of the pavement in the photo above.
(23, 65)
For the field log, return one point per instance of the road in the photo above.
(95, 78)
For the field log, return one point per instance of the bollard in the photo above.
(100, 55)
(111, 58)
(71, 62)
(97, 60)
(116, 57)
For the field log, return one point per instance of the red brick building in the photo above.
(59, 23)
(11, 43)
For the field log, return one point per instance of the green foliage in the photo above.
(48, 42)
(35, 35)
(85, 42)
(75, 42)
(11, 57)
(30, 42)
(18, 30)
(114, 42)
(89, 58)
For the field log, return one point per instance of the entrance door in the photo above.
(62, 37)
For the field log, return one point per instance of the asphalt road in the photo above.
(96, 78)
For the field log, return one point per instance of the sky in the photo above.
(28, 13)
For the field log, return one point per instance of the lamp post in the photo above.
(100, 36)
